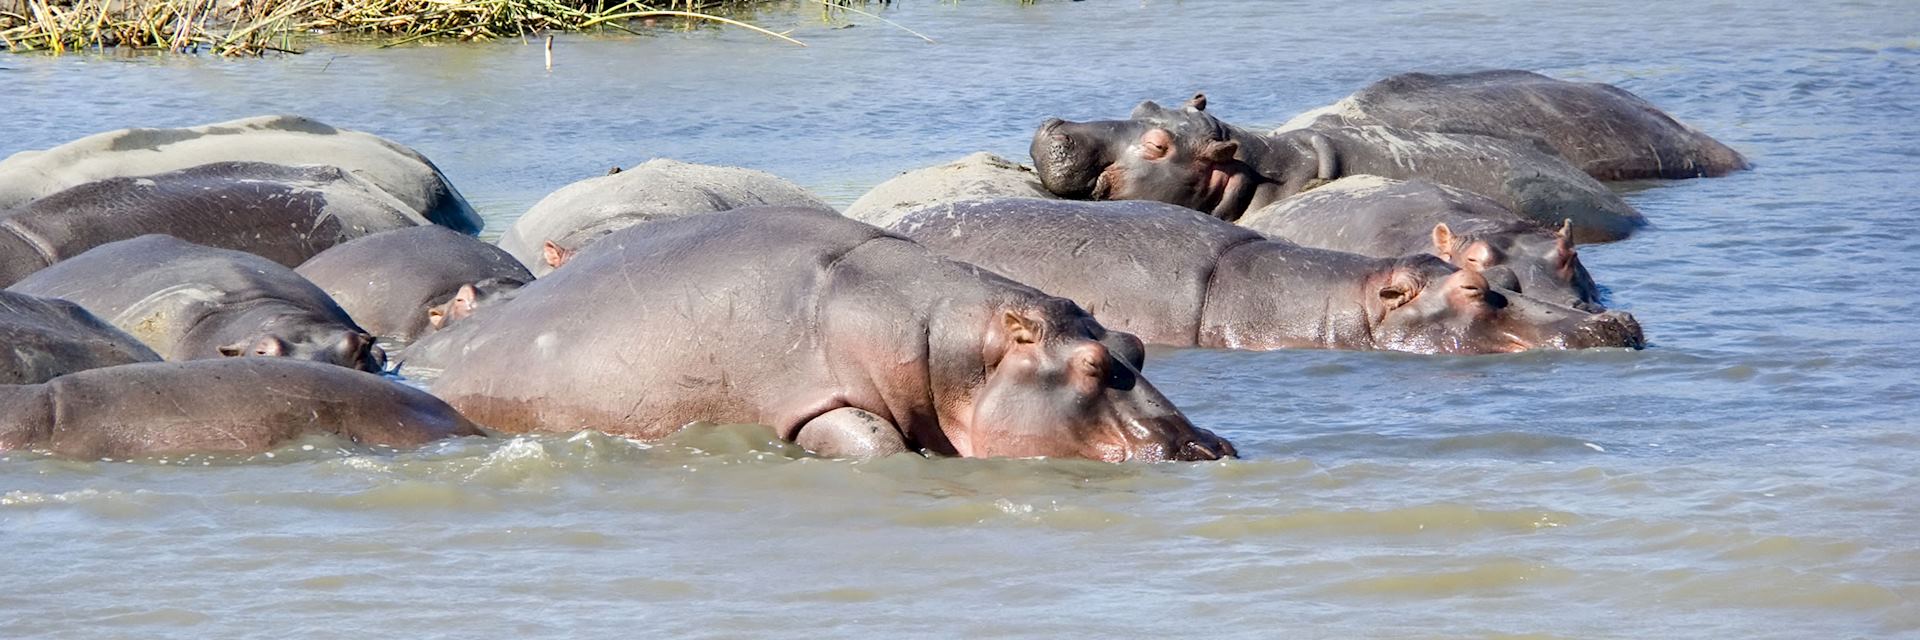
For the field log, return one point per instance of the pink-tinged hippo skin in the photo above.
(44, 338)
(822, 327)
(401, 172)
(1606, 131)
(285, 214)
(1187, 157)
(396, 283)
(236, 405)
(1386, 218)
(1176, 277)
(191, 302)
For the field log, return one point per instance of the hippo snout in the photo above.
(1609, 329)
(1204, 446)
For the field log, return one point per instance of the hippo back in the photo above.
(386, 281)
(42, 338)
(399, 171)
(285, 214)
(1139, 267)
(658, 189)
(1381, 217)
(981, 175)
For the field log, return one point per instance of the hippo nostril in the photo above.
(1205, 449)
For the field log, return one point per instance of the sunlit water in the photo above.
(1756, 473)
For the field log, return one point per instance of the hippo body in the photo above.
(42, 338)
(573, 217)
(1385, 218)
(388, 282)
(191, 302)
(237, 405)
(1606, 131)
(981, 175)
(287, 140)
(791, 317)
(1176, 277)
(285, 214)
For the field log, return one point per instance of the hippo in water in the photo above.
(1604, 130)
(567, 220)
(1385, 218)
(840, 336)
(190, 302)
(1187, 157)
(1176, 277)
(981, 175)
(240, 405)
(285, 214)
(289, 140)
(41, 338)
(394, 283)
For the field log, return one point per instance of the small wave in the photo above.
(1434, 519)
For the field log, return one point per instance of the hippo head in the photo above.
(1177, 156)
(349, 348)
(1425, 305)
(1539, 264)
(469, 297)
(1058, 384)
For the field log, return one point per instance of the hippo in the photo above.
(41, 338)
(840, 336)
(291, 140)
(285, 214)
(238, 405)
(1604, 130)
(1187, 157)
(981, 175)
(1385, 218)
(1176, 277)
(564, 222)
(192, 302)
(392, 283)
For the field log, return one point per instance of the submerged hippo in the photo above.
(1176, 277)
(1385, 218)
(392, 282)
(285, 214)
(567, 220)
(41, 338)
(838, 335)
(981, 175)
(289, 140)
(191, 302)
(242, 405)
(1187, 157)
(1604, 130)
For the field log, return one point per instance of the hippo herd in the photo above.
(234, 287)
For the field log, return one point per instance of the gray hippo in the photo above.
(1604, 130)
(394, 283)
(289, 140)
(282, 213)
(240, 405)
(842, 337)
(41, 338)
(1187, 157)
(1176, 277)
(1385, 218)
(190, 302)
(548, 234)
(981, 175)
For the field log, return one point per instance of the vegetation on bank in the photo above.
(253, 27)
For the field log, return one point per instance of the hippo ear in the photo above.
(263, 346)
(1220, 152)
(1442, 241)
(1020, 329)
(1198, 102)
(555, 255)
(464, 299)
(437, 316)
(1399, 289)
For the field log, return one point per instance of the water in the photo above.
(1752, 475)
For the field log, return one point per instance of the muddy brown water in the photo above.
(1754, 474)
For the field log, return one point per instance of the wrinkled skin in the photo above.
(401, 172)
(1604, 130)
(391, 283)
(42, 338)
(239, 405)
(285, 214)
(1187, 157)
(1386, 218)
(782, 316)
(191, 302)
(1214, 284)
